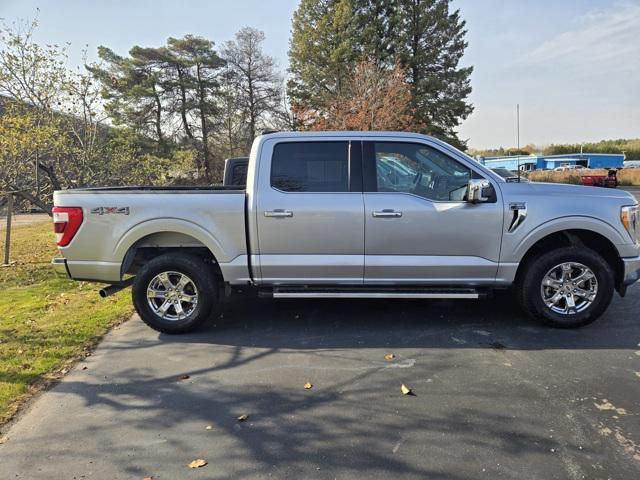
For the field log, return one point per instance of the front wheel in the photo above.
(174, 293)
(568, 287)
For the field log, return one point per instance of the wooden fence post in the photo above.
(7, 240)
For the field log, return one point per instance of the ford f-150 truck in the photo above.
(353, 215)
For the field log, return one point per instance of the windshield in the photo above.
(504, 173)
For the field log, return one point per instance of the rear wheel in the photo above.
(174, 293)
(567, 287)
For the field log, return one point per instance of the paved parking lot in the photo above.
(496, 396)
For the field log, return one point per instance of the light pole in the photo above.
(518, 123)
(518, 133)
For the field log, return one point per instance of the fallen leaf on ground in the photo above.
(607, 405)
(405, 390)
(389, 356)
(184, 377)
(243, 417)
(147, 478)
(198, 463)
(308, 386)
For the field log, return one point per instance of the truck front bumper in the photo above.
(59, 265)
(631, 270)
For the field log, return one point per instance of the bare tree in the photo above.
(254, 76)
(30, 73)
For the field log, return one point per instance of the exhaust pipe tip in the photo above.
(110, 290)
(115, 288)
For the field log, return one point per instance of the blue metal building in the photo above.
(549, 162)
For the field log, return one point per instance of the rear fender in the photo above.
(150, 227)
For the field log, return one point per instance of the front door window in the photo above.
(420, 170)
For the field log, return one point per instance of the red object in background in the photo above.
(66, 222)
(609, 181)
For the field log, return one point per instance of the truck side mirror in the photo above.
(480, 191)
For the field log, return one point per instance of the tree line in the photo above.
(172, 113)
(629, 147)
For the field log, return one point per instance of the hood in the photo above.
(563, 189)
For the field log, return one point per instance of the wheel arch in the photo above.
(559, 225)
(155, 237)
(580, 237)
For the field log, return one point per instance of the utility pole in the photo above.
(518, 123)
(518, 132)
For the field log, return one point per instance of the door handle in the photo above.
(387, 213)
(278, 213)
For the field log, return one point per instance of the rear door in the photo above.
(310, 212)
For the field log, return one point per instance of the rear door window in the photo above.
(310, 167)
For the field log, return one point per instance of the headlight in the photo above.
(630, 220)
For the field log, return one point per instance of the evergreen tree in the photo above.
(198, 68)
(423, 36)
(320, 50)
(132, 90)
(430, 43)
(153, 89)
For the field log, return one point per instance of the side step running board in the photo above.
(293, 292)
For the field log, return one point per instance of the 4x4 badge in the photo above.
(110, 210)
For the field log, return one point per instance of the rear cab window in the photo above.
(310, 167)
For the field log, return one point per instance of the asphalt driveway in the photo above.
(496, 396)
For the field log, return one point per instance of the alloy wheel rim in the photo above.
(172, 296)
(569, 288)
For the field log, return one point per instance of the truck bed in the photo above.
(142, 188)
(119, 221)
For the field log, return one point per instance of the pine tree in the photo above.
(198, 69)
(320, 50)
(151, 87)
(423, 36)
(430, 44)
(132, 90)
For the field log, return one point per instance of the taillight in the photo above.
(66, 222)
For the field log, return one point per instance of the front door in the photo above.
(311, 216)
(419, 228)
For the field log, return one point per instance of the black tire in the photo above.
(529, 286)
(200, 275)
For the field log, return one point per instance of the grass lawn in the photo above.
(45, 321)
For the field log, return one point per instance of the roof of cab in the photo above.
(347, 133)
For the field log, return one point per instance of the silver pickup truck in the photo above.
(354, 215)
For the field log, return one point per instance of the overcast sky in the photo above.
(573, 65)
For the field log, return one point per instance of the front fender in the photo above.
(567, 223)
